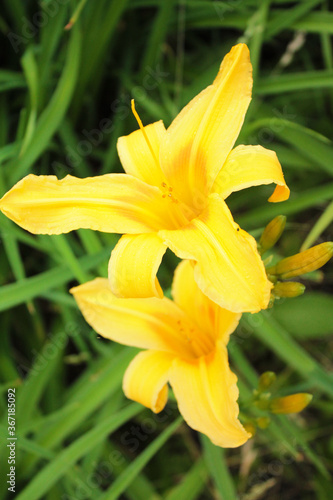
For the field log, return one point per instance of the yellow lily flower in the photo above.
(171, 196)
(186, 345)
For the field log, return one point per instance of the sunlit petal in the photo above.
(145, 323)
(146, 377)
(115, 203)
(136, 156)
(248, 166)
(207, 393)
(228, 267)
(211, 318)
(200, 138)
(133, 266)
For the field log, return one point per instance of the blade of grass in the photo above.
(53, 115)
(308, 317)
(322, 223)
(256, 39)
(193, 483)
(287, 17)
(44, 365)
(62, 244)
(215, 459)
(125, 479)
(30, 69)
(101, 387)
(309, 143)
(16, 293)
(281, 429)
(95, 45)
(310, 198)
(157, 35)
(52, 472)
(295, 81)
(277, 338)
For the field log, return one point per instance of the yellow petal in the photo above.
(146, 377)
(136, 156)
(133, 266)
(145, 323)
(199, 140)
(248, 166)
(228, 267)
(207, 393)
(111, 203)
(212, 319)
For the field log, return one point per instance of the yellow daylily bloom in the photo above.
(186, 341)
(172, 195)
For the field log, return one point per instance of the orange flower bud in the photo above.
(303, 262)
(290, 404)
(288, 289)
(272, 233)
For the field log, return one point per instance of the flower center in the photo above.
(168, 192)
(198, 343)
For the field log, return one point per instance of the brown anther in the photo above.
(170, 189)
(163, 195)
(164, 184)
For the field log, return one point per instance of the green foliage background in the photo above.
(64, 99)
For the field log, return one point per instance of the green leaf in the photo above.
(192, 484)
(16, 293)
(54, 113)
(51, 473)
(307, 317)
(215, 459)
(271, 333)
(123, 481)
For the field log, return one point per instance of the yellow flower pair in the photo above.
(172, 195)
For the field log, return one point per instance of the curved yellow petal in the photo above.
(207, 393)
(212, 319)
(146, 377)
(116, 203)
(228, 267)
(199, 140)
(248, 166)
(133, 266)
(152, 323)
(136, 157)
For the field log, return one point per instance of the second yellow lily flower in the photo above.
(186, 345)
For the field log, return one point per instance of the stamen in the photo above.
(143, 131)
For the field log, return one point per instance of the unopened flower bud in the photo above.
(250, 428)
(266, 380)
(272, 233)
(288, 289)
(303, 262)
(290, 404)
(263, 422)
